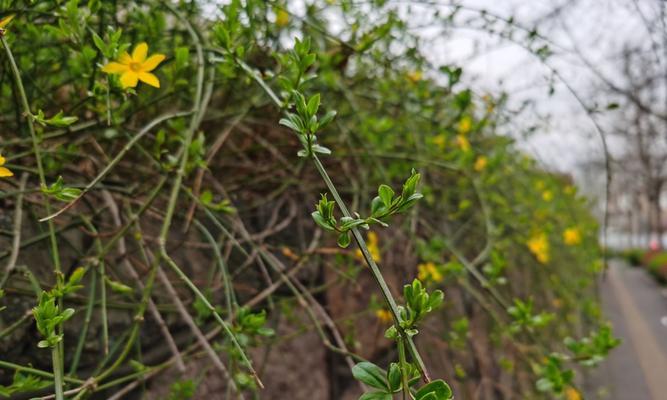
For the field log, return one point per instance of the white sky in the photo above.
(595, 28)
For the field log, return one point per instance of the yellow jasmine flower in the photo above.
(429, 272)
(465, 124)
(547, 195)
(5, 21)
(572, 236)
(539, 246)
(4, 172)
(414, 76)
(282, 18)
(372, 244)
(136, 67)
(440, 141)
(463, 143)
(384, 315)
(480, 163)
(572, 394)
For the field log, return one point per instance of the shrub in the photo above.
(634, 257)
(193, 178)
(657, 265)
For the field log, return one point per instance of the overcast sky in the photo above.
(593, 29)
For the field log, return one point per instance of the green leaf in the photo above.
(59, 120)
(370, 374)
(67, 194)
(386, 194)
(350, 223)
(76, 276)
(394, 377)
(99, 43)
(292, 122)
(206, 197)
(376, 396)
(436, 298)
(410, 185)
(344, 239)
(67, 313)
(436, 390)
(313, 104)
(328, 117)
(118, 287)
(377, 206)
(391, 333)
(320, 149)
(321, 221)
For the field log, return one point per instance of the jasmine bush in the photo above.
(264, 174)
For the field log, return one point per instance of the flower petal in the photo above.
(152, 62)
(125, 58)
(129, 79)
(2, 160)
(149, 78)
(140, 52)
(4, 172)
(115, 68)
(6, 20)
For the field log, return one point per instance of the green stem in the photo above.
(375, 270)
(11, 328)
(358, 238)
(35, 147)
(404, 369)
(57, 372)
(198, 111)
(58, 350)
(86, 323)
(36, 372)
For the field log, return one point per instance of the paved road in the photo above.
(637, 307)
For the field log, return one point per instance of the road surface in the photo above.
(637, 307)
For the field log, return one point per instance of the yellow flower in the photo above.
(465, 124)
(569, 189)
(440, 141)
(572, 394)
(539, 246)
(429, 272)
(414, 76)
(384, 315)
(463, 143)
(572, 236)
(373, 248)
(136, 67)
(547, 195)
(282, 18)
(480, 163)
(5, 21)
(4, 172)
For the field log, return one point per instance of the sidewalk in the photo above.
(637, 369)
